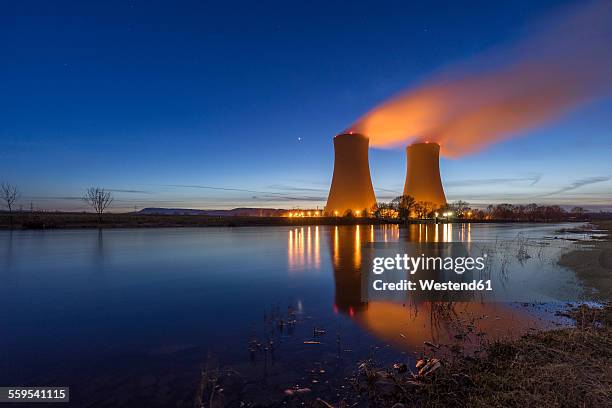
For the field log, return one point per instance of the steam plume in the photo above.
(565, 62)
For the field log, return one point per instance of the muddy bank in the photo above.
(569, 367)
(592, 263)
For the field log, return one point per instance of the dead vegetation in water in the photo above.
(569, 367)
(507, 253)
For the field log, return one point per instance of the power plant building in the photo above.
(423, 181)
(351, 187)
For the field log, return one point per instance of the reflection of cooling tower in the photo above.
(345, 251)
(423, 173)
(351, 187)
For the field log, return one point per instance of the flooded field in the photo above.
(131, 317)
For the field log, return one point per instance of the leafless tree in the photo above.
(404, 205)
(98, 199)
(9, 194)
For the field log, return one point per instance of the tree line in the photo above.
(407, 208)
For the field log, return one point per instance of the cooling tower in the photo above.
(351, 187)
(423, 173)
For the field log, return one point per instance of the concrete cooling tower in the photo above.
(423, 181)
(351, 187)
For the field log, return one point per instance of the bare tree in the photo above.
(404, 205)
(9, 194)
(98, 199)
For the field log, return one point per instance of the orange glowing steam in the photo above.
(563, 64)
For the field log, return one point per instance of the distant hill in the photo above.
(235, 212)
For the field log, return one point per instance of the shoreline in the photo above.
(52, 221)
(592, 262)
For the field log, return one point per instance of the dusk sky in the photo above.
(199, 104)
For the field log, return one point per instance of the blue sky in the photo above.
(226, 104)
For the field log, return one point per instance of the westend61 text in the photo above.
(431, 284)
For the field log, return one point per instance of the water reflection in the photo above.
(99, 253)
(389, 233)
(407, 326)
(435, 233)
(346, 260)
(303, 248)
(412, 318)
(7, 250)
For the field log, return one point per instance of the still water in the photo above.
(129, 317)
